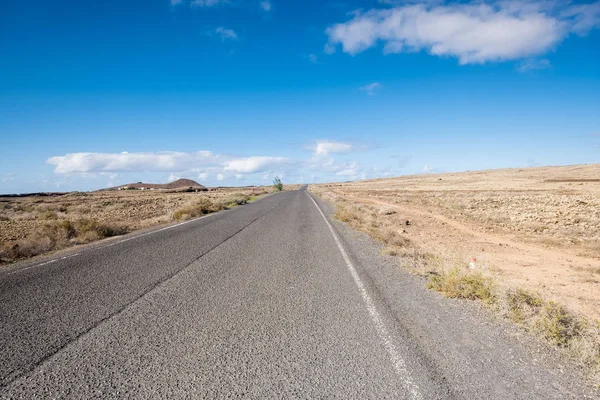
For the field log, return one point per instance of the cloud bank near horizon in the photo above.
(207, 165)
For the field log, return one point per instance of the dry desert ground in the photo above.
(537, 228)
(39, 224)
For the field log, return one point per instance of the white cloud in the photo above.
(253, 164)
(323, 162)
(427, 169)
(371, 88)
(325, 147)
(166, 161)
(226, 33)
(7, 178)
(199, 163)
(474, 33)
(265, 5)
(349, 170)
(112, 180)
(175, 2)
(534, 65)
(207, 3)
(582, 17)
(207, 167)
(312, 58)
(172, 177)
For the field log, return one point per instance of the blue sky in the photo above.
(100, 93)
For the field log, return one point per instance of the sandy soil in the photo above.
(537, 228)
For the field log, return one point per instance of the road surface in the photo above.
(269, 300)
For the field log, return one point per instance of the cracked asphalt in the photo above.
(254, 302)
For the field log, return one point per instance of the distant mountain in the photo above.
(179, 184)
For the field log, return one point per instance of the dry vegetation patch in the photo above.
(460, 284)
(39, 224)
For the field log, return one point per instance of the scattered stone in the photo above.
(386, 211)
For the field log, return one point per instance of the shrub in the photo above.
(277, 184)
(462, 285)
(48, 214)
(391, 237)
(558, 325)
(235, 199)
(349, 214)
(203, 206)
(522, 305)
(91, 228)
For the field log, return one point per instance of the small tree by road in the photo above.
(277, 184)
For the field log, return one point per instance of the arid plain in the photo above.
(537, 228)
(38, 224)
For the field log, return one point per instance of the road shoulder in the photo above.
(496, 359)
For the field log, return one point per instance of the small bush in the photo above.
(343, 214)
(522, 305)
(554, 322)
(391, 237)
(461, 285)
(24, 208)
(235, 199)
(351, 215)
(181, 215)
(47, 215)
(277, 185)
(91, 228)
(558, 325)
(203, 206)
(391, 251)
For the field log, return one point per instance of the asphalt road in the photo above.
(268, 300)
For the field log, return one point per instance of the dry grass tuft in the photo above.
(551, 320)
(57, 235)
(522, 305)
(365, 219)
(579, 337)
(558, 325)
(235, 199)
(201, 207)
(204, 206)
(459, 284)
(349, 214)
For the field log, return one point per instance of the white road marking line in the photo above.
(382, 331)
(110, 244)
